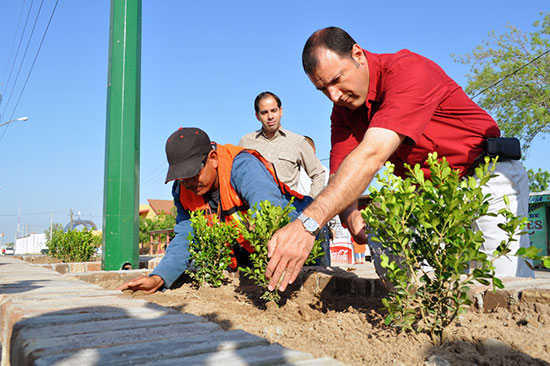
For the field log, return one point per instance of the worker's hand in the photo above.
(288, 249)
(148, 284)
(356, 226)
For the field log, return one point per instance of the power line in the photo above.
(14, 38)
(512, 73)
(33, 213)
(24, 55)
(19, 45)
(32, 66)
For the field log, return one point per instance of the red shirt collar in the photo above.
(374, 78)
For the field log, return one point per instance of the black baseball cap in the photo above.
(185, 150)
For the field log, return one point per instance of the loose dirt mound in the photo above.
(351, 328)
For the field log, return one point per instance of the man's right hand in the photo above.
(148, 284)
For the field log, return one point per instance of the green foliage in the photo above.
(54, 227)
(210, 248)
(538, 181)
(73, 245)
(160, 222)
(429, 222)
(520, 103)
(258, 226)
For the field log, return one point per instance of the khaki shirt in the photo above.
(288, 152)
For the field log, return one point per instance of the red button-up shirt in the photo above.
(413, 96)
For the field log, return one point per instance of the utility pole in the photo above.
(121, 186)
(18, 222)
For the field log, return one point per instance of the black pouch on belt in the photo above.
(507, 148)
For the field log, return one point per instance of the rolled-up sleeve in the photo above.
(313, 168)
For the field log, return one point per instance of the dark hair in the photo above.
(334, 39)
(263, 95)
(310, 141)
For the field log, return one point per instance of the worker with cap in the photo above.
(220, 180)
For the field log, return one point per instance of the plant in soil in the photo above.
(73, 245)
(210, 246)
(257, 227)
(427, 227)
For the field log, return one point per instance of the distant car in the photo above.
(8, 251)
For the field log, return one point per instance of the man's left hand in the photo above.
(288, 249)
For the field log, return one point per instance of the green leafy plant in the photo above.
(49, 231)
(427, 225)
(210, 246)
(538, 181)
(160, 222)
(258, 226)
(509, 74)
(73, 245)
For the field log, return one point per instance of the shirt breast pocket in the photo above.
(287, 158)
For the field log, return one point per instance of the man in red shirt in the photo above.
(397, 107)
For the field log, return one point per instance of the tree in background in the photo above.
(538, 181)
(160, 222)
(55, 227)
(511, 75)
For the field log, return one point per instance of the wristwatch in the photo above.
(309, 224)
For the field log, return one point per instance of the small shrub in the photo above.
(73, 245)
(210, 248)
(258, 226)
(429, 223)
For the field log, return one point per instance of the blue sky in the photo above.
(203, 63)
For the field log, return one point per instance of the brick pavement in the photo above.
(47, 318)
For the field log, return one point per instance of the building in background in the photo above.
(30, 244)
(156, 208)
(539, 218)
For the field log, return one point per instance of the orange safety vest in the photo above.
(231, 203)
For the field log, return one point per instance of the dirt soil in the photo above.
(351, 329)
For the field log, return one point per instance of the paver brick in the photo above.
(61, 268)
(74, 316)
(114, 276)
(495, 299)
(324, 361)
(96, 338)
(273, 354)
(96, 325)
(93, 266)
(536, 295)
(157, 350)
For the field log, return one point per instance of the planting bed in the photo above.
(346, 322)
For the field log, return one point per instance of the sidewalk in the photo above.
(47, 318)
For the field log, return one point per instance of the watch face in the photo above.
(309, 224)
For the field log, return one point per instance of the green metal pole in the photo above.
(121, 186)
